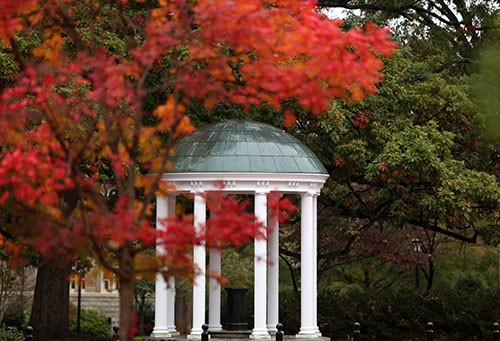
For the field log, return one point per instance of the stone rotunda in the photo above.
(248, 158)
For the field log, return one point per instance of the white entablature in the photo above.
(246, 183)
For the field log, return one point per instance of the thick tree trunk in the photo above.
(49, 314)
(126, 291)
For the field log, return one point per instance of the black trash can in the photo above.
(236, 309)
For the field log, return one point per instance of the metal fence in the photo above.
(279, 334)
(429, 332)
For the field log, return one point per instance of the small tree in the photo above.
(143, 292)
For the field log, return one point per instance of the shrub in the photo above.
(397, 314)
(14, 315)
(92, 323)
(11, 335)
(469, 282)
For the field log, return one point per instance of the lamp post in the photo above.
(416, 247)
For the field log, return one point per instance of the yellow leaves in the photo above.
(51, 49)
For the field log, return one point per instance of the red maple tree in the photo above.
(75, 126)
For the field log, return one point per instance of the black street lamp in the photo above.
(416, 247)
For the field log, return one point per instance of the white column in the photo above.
(315, 257)
(101, 281)
(214, 291)
(260, 264)
(171, 280)
(199, 255)
(273, 273)
(307, 328)
(163, 210)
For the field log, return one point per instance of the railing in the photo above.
(429, 332)
(279, 334)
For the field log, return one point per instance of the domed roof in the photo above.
(243, 146)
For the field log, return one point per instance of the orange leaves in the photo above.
(51, 48)
(172, 118)
(169, 113)
(185, 127)
(11, 17)
(289, 119)
(357, 93)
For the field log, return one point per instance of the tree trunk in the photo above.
(49, 314)
(126, 291)
(431, 275)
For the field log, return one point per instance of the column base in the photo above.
(159, 335)
(260, 334)
(172, 330)
(307, 332)
(214, 327)
(271, 328)
(307, 336)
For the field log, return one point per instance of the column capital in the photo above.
(309, 194)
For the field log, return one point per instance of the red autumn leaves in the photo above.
(72, 118)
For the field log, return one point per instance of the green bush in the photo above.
(93, 323)
(148, 318)
(398, 314)
(14, 315)
(469, 282)
(11, 335)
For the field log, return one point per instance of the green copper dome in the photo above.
(243, 146)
